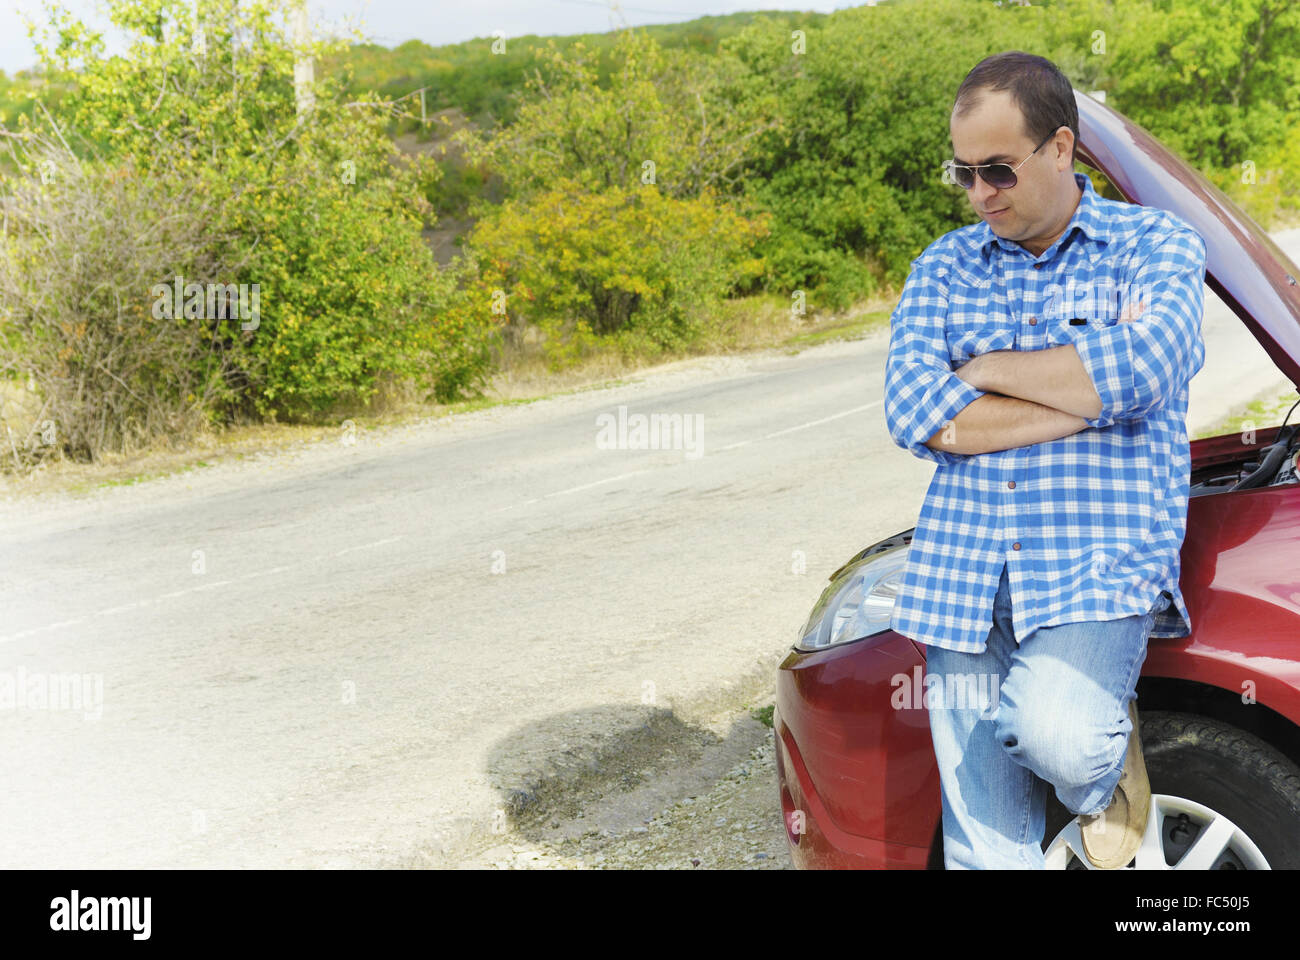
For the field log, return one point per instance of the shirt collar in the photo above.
(1087, 219)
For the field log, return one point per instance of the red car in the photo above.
(1219, 709)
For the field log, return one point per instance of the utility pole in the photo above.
(616, 8)
(304, 72)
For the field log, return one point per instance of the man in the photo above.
(1041, 359)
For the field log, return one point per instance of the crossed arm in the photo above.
(1031, 396)
(1015, 398)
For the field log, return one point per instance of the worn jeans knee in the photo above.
(1030, 731)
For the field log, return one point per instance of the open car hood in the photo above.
(1243, 264)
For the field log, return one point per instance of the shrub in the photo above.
(84, 244)
(313, 205)
(617, 261)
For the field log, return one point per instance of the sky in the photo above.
(391, 22)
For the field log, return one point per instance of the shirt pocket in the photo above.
(970, 335)
(1068, 328)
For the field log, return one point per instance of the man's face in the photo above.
(993, 131)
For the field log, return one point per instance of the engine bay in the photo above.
(1274, 465)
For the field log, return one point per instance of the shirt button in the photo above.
(1032, 321)
(1038, 266)
(1016, 545)
(1011, 484)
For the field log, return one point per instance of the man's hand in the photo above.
(995, 422)
(979, 371)
(970, 371)
(1131, 312)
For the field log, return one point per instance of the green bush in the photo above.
(315, 206)
(616, 262)
(351, 293)
(85, 243)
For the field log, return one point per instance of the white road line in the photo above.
(103, 613)
(67, 623)
(393, 540)
(513, 506)
(109, 611)
(597, 483)
(833, 416)
(730, 446)
(267, 573)
(367, 546)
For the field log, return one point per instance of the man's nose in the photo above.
(981, 193)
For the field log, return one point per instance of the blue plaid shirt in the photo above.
(1093, 525)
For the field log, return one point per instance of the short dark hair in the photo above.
(1038, 87)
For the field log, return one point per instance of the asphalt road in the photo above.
(363, 654)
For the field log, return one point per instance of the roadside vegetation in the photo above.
(1266, 411)
(553, 212)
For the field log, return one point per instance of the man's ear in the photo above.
(1064, 143)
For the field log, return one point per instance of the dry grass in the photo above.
(742, 326)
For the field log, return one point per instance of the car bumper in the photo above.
(871, 800)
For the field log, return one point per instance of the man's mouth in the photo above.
(995, 213)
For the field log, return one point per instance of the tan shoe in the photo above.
(1111, 838)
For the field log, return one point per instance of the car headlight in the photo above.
(859, 600)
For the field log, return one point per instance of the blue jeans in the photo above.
(1011, 720)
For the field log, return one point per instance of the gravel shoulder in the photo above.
(719, 814)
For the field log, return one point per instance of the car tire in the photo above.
(1224, 768)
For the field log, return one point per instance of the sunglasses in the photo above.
(1000, 176)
